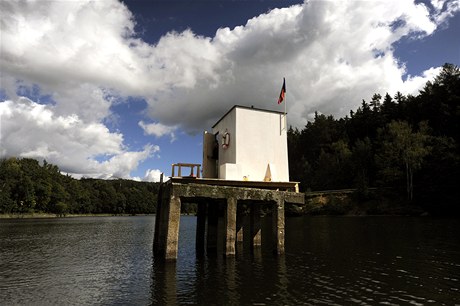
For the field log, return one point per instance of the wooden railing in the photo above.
(185, 165)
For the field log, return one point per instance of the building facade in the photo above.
(247, 144)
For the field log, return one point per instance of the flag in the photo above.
(283, 92)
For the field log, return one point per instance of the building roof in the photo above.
(249, 108)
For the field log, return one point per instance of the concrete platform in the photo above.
(283, 186)
(213, 196)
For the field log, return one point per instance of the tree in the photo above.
(61, 209)
(403, 151)
(375, 102)
(362, 162)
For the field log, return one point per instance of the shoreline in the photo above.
(55, 216)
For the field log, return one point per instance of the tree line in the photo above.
(28, 187)
(408, 145)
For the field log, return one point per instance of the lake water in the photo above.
(328, 260)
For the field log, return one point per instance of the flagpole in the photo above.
(282, 99)
(285, 112)
(285, 104)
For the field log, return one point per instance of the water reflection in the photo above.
(375, 260)
(222, 281)
(164, 283)
(253, 276)
(74, 261)
(367, 261)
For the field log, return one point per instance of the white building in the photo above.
(247, 144)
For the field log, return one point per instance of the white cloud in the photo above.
(85, 41)
(121, 165)
(332, 53)
(152, 175)
(443, 9)
(414, 84)
(158, 130)
(32, 130)
(84, 54)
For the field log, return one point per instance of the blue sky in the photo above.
(114, 89)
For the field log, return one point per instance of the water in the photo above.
(328, 260)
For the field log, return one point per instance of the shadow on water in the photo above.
(328, 261)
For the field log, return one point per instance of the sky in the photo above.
(122, 89)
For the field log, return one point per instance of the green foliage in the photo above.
(402, 152)
(189, 208)
(407, 143)
(61, 209)
(28, 187)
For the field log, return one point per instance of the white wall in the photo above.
(258, 138)
(262, 140)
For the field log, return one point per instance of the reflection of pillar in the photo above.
(256, 235)
(173, 216)
(278, 226)
(164, 283)
(200, 229)
(170, 283)
(231, 291)
(213, 209)
(230, 226)
(283, 281)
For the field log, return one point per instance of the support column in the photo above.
(256, 234)
(213, 216)
(278, 225)
(200, 228)
(161, 225)
(172, 237)
(156, 234)
(230, 227)
(240, 217)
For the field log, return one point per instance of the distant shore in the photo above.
(53, 216)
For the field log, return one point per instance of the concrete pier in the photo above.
(220, 203)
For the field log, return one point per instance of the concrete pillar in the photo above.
(200, 229)
(256, 234)
(240, 218)
(278, 225)
(161, 225)
(172, 237)
(230, 227)
(156, 236)
(213, 215)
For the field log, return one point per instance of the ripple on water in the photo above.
(332, 261)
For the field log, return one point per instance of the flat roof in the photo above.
(249, 108)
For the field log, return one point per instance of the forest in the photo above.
(28, 187)
(407, 146)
